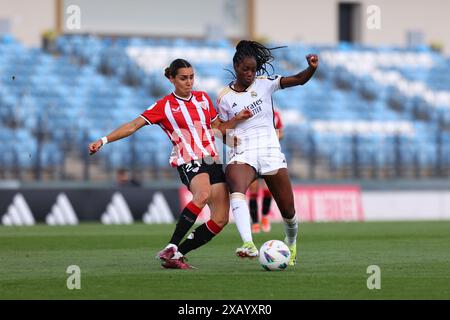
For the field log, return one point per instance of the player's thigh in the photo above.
(280, 186)
(200, 188)
(263, 184)
(239, 176)
(219, 204)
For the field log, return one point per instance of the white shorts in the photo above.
(264, 161)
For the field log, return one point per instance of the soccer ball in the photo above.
(274, 255)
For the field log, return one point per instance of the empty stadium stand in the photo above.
(369, 112)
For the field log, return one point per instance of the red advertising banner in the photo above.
(313, 203)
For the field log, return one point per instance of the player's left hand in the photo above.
(313, 60)
(236, 141)
(231, 140)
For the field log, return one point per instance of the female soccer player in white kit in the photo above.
(259, 152)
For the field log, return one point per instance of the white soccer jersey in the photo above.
(258, 132)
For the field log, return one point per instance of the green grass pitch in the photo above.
(118, 262)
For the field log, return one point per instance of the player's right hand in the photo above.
(95, 146)
(244, 114)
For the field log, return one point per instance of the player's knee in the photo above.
(201, 198)
(232, 182)
(253, 188)
(236, 187)
(221, 222)
(288, 212)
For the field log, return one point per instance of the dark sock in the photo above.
(253, 206)
(266, 205)
(200, 236)
(185, 222)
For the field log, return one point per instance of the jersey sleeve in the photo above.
(154, 114)
(273, 83)
(223, 110)
(212, 110)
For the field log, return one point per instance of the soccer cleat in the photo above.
(293, 250)
(265, 223)
(256, 228)
(167, 253)
(248, 250)
(176, 264)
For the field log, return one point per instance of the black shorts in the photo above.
(189, 170)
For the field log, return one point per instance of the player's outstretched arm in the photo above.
(302, 77)
(123, 131)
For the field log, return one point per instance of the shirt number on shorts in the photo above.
(193, 166)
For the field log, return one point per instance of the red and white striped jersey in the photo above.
(188, 125)
(277, 120)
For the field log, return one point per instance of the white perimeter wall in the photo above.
(281, 20)
(28, 19)
(164, 18)
(317, 21)
(406, 205)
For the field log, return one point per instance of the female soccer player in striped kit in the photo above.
(188, 118)
(259, 152)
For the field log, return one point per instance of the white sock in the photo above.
(171, 245)
(241, 215)
(177, 255)
(291, 229)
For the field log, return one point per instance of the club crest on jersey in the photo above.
(203, 105)
(253, 94)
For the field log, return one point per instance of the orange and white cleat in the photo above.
(256, 228)
(265, 223)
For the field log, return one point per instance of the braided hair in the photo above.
(262, 55)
